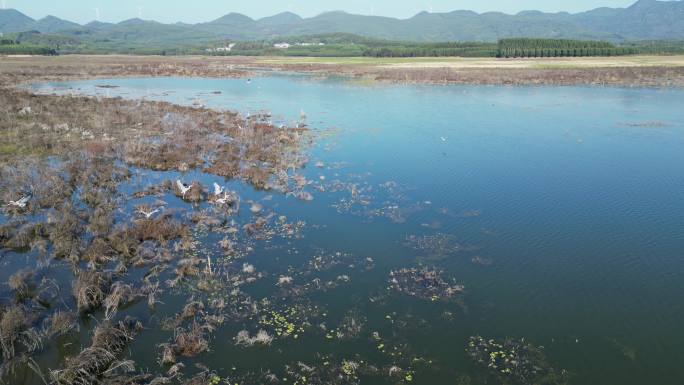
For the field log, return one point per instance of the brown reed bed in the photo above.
(91, 364)
(71, 155)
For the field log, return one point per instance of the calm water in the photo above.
(574, 196)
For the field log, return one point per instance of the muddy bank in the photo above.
(656, 76)
(17, 70)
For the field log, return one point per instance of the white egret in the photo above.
(21, 203)
(218, 190)
(148, 214)
(183, 187)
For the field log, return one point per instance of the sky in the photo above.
(194, 11)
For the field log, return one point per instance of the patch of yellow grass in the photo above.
(456, 62)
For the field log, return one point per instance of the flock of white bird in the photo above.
(220, 193)
(222, 196)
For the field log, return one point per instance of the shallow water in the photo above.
(571, 196)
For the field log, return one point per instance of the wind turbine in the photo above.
(140, 9)
(97, 13)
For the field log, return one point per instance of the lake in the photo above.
(560, 210)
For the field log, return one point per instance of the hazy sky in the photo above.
(194, 11)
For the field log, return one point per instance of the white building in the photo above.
(227, 48)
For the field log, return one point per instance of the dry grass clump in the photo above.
(88, 367)
(15, 323)
(99, 251)
(61, 323)
(160, 229)
(101, 220)
(155, 190)
(261, 338)
(90, 290)
(131, 241)
(120, 294)
(187, 267)
(195, 194)
(191, 309)
(21, 283)
(21, 237)
(65, 231)
(165, 156)
(192, 341)
(167, 356)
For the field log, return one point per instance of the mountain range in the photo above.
(644, 20)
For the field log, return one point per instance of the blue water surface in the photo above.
(574, 194)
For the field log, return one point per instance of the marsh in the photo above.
(559, 232)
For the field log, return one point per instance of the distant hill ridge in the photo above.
(644, 20)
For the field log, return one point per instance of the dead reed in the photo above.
(90, 290)
(87, 368)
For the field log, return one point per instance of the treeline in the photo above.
(349, 45)
(475, 49)
(559, 48)
(657, 47)
(16, 49)
(13, 47)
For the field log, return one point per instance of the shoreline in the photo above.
(636, 71)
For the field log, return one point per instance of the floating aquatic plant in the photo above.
(517, 360)
(434, 247)
(423, 283)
